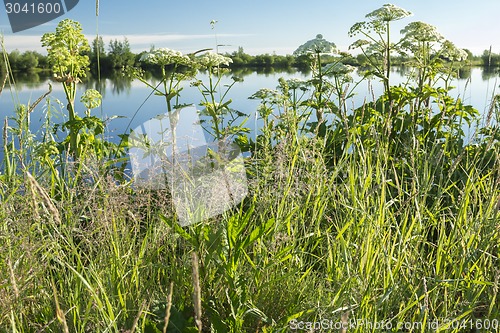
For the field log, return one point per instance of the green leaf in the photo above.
(174, 225)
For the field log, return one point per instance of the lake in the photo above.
(133, 103)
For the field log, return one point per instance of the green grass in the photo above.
(383, 220)
(311, 242)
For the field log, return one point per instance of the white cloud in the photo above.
(182, 42)
(22, 43)
(137, 42)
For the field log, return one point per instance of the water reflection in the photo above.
(129, 103)
(122, 96)
(117, 83)
(490, 73)
(464, 73)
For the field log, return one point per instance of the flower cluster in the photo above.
(165, 56)
(453, 53)
(339, 69)
(360, 43)
(388, 13)
(267, 95)
(421, 32)
(295, 83)
(211, 59)
(319, 45)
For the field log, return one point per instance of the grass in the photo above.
(310, 243)
(381, 221)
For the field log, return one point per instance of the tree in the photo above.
(99, 60)
(28, 61)
(120, 54)
(14, 59)
(490, 59)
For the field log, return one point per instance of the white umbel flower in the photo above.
(388, 13)
(165, 56)
(211, 59)
(421, 32)
(319, 45)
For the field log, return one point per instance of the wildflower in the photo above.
(211, 59)
(264, 93)
(91, 99)
(378, 20)
(359, 44)
(339, 69)
(388, 13)
(197, 83)
(421, 32)
(453, 53)
(165, 56)
(295, 83)
(267, 95)
(319, 45)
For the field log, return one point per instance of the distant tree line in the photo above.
(27, 61)
(242, 59)
(490, 59)
(118, 55)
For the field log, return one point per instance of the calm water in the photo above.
(132, 103)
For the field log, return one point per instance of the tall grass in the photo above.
(373, 221)
(312, 242)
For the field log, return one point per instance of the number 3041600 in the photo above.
(40, 8)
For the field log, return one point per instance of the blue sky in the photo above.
(261, 26)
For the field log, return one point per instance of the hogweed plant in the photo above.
(223, 119)
(175, 68)
(377, 45)
(432, 56)
(315, 49)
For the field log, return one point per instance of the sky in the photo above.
(259, 26)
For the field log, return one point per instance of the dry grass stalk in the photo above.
(13, 279)
(60, 314)
(47, 202)
(169, 306)
(136, 319)
(196, 292)
(345, 322)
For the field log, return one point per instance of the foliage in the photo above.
(378, 46)
(380, 213)
(119, 54)
(490, 59)
(65, 48)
